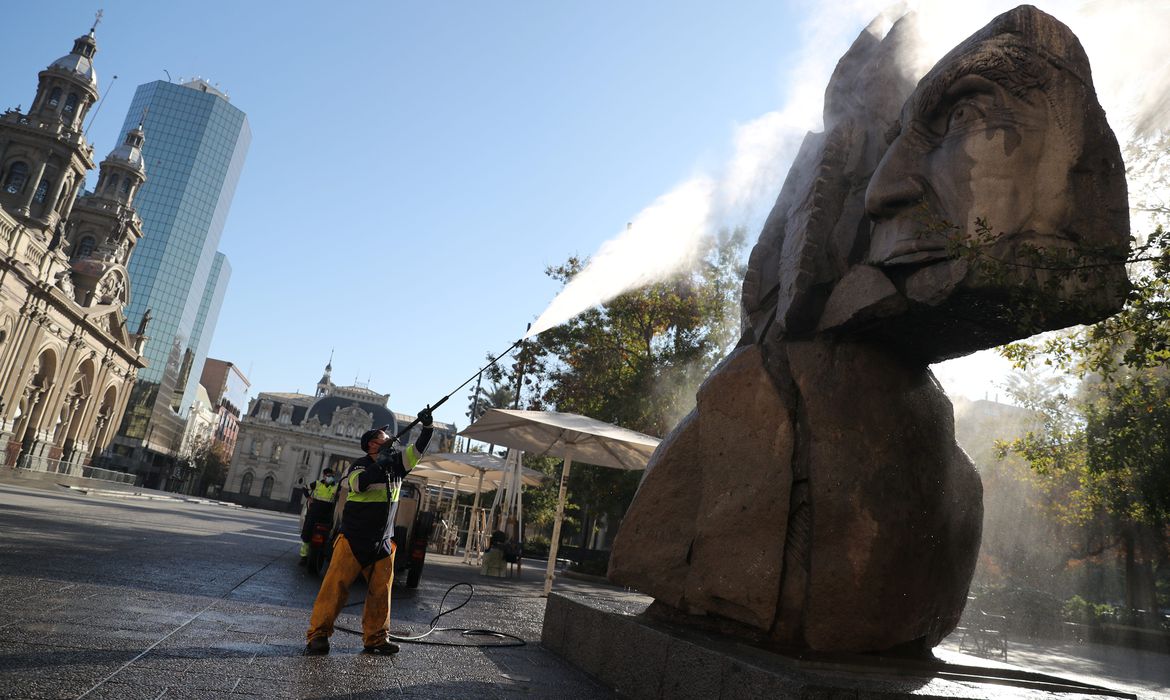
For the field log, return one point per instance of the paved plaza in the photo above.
(111, 595)
(115, 597)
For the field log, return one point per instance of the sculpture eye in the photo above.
(965, 112)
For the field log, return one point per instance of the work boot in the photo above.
(317, 646)
(386, 648)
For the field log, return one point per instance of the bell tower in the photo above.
(104, 228)
(325, 384)
(43, 153)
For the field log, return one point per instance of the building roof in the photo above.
(130, 152)
(326, 406)
(78, 64)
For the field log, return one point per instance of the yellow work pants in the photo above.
(343, 570)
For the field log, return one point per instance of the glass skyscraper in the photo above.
(195, 146)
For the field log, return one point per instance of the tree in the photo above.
(635, 361)
(1108, 445)
(1103, 459)
(210, 462)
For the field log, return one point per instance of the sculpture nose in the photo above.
(896, 184)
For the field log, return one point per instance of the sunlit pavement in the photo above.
(112, 597)
(1144, 673)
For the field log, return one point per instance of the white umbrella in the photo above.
(479, 464)
(565, 435)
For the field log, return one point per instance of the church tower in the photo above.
(43, 154)
(325, 384)
(67, 360)
(104, 227)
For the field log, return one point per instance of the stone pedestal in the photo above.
(614, 641)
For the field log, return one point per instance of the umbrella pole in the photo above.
(556, 537)
(471, 521)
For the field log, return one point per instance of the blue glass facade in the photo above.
(195, 146)
(207, 317)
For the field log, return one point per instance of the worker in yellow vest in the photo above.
(364, 544)
(322, 495)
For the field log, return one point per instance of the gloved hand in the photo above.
(425, 417)
(385, 453)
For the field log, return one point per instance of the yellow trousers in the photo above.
(343, 570)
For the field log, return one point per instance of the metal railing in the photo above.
(57, 466)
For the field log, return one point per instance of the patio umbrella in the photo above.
(483, 466)
(565, 435)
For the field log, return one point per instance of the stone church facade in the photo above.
(287, 438)
(67, 358)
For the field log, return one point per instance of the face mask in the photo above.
(329, 480)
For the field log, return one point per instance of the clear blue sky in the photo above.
(416, 165)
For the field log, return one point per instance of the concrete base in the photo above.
(611, 639)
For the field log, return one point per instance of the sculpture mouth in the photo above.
(905, 243)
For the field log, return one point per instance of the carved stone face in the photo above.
(989, 145)
(968, 149)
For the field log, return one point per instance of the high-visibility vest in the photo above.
(324, 492)
(382, 493)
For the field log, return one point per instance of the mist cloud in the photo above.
(1123, 38)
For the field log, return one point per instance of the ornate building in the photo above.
(289, 437)
(67, 359)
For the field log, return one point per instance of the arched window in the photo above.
(266, 488)
(42, 190)
(55, 97)
(70, 103)
(84, 247)
(246, 485)
(17, 176)
(112, 183)
(126, 182)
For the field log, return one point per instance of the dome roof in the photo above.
(325, 407)
(79, 61)
(130, 152)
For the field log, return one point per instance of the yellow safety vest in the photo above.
(324, 492)
(379, 493)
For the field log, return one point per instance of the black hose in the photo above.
(510, 640)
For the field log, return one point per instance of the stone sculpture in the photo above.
(816, 498)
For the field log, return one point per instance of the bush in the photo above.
(1029, 612)
(536, 546)
(593, 567)
(1077, 609)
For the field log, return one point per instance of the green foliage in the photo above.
(210, 463)
(1103, 454)
(536, 546)
(1077, 609)
(634, 361)
(1137, 338)
(540, 502)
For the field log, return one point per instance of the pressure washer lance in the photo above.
(440, 402)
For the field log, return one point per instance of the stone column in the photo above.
(34, 181)
(52, 198)
(29, 331)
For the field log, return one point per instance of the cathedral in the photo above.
(67, 358)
